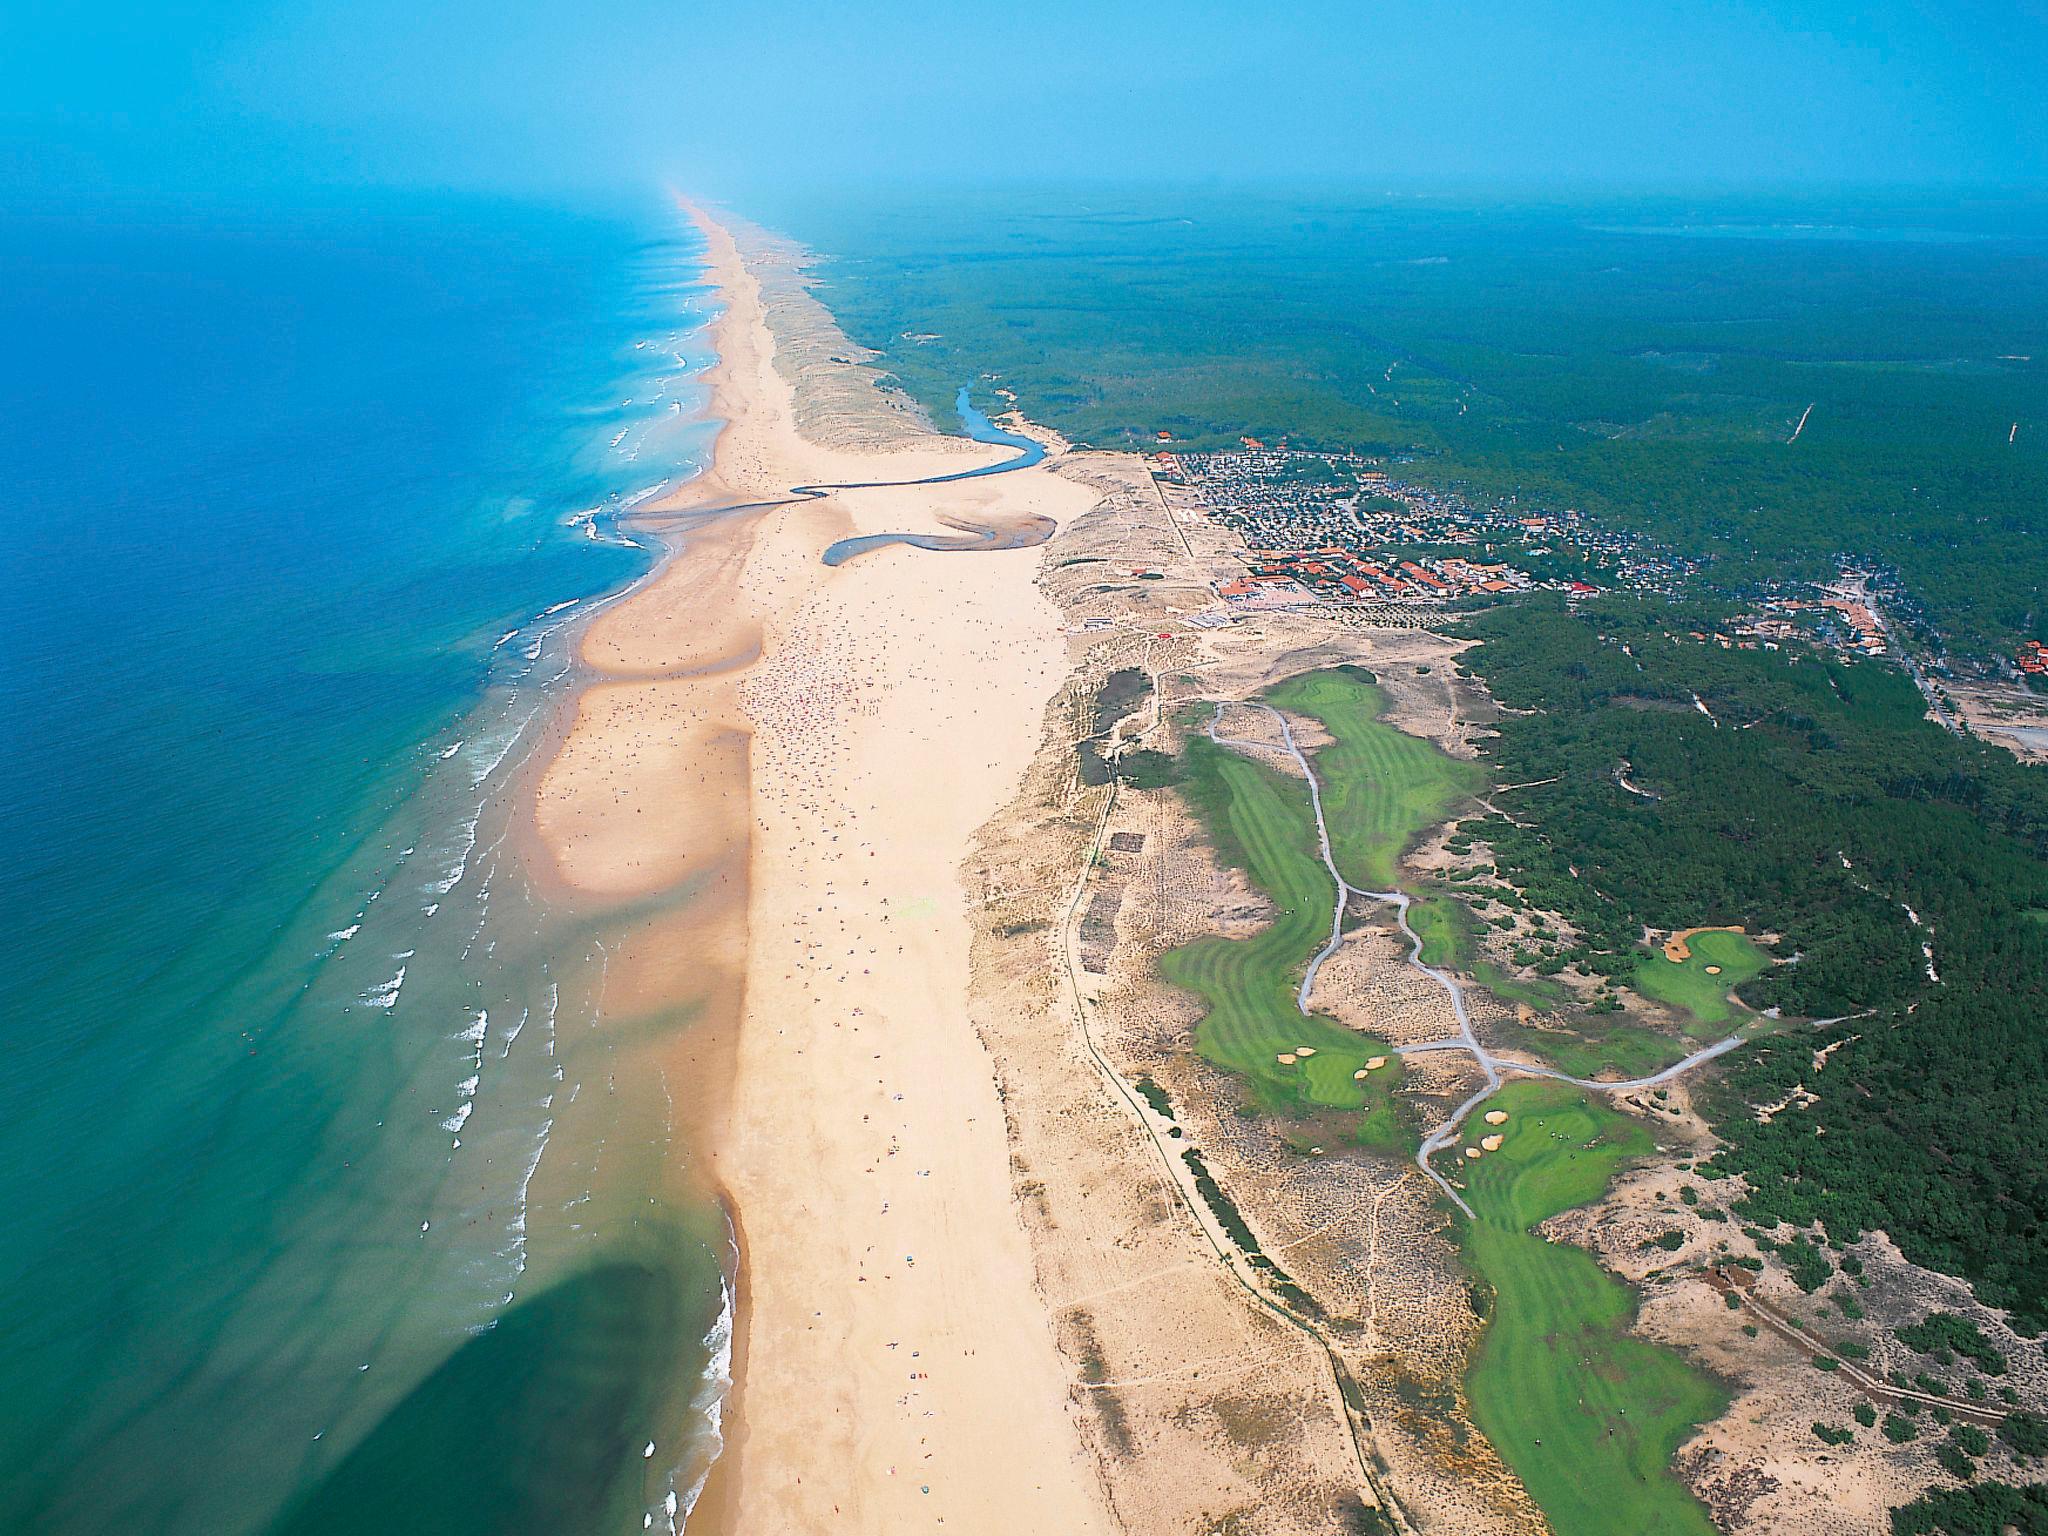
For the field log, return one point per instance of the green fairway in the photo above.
(1687, 984)
(1381, 786)
(1592, 1047)
(1260, 820)
(1586, 1414)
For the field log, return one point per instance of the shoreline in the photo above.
(742, 709)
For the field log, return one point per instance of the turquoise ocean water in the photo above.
(328, 1208)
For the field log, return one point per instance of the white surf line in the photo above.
(1466, 1040)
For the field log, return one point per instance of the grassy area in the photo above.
(1699, 984)
(1538, 992)
(1381, 786)
(1584, 1412)
(1260, 820)
(1625, 1049)
(1587, 1414)
(1445, 929)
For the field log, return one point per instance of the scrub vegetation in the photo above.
(1812, 801)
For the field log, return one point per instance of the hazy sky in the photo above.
(182, 95)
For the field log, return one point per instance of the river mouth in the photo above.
(1021, 534)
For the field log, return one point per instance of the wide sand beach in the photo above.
(808, 752)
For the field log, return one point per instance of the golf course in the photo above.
(1699, 984)
(1381, 787)
(1259, 819)
(1587, 1414)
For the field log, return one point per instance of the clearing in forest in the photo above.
(1717, 960)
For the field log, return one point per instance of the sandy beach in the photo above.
(811, 750)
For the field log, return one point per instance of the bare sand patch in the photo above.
(1678, 948)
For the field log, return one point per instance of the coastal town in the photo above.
(1338, 528)
(1342, 534)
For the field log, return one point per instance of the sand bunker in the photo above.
(1678, 948)
(1496, 1117)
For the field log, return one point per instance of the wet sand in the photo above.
(813, 749)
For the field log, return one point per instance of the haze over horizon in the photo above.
(252, 96)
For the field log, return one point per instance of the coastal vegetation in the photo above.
(1894, 863)
(1983, 1509)
(1586, 1413)
(1608, 358)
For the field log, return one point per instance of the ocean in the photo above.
(333, 1206)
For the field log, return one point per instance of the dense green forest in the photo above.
(1809, 800)
(1987, 1509)
(1642, 363)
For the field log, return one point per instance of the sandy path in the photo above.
(847, 730)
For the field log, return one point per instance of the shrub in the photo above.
(2025, 1434)
(1939, 1331)
(1954, 1462)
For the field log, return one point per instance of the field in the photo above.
(1689, 985)
(1585, 1413)
(1260, 820)
(1381, 786)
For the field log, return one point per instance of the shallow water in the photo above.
(341, 1198)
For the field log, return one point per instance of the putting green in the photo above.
(1587, 1414)
(1690, 985)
